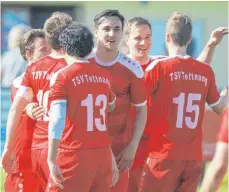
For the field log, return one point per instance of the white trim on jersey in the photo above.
(25, 92)
(112, 102)
(155, 62)
(140, 104)
(216, 103)
(58, 101)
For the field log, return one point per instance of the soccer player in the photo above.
(177, 89)
(138, 37)
(33, 46)
(36, 83)
(129, 88)
(219, 165)
(80, 98)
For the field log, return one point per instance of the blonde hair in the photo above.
(179, 26)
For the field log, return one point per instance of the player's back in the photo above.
(37, 77)
(177, 105)
(87, 91)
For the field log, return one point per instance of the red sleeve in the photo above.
(223, 130)
(58, 90)
(152, 76)
(27, 79)
(138, 91)
(213, 94)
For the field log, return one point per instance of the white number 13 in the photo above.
(180, 101)
(101, 100)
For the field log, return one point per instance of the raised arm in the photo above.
(215, 38)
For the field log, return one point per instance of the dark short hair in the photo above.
(179, 26)
(54, 25)
(27, 41)
(76, 40)
(99, 18)
(136, 21)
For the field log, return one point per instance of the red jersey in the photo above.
(177, 89)
(142, 151)
(86, 88)
(36, 82)
(23, 138)
(128, 86)
(223, 130)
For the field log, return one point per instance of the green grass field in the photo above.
(223, 188)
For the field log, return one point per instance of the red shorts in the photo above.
(40, 166)
(84, 170)
(141, 154)
(164, 175)
(122, 184)
(134, 179)
(22, 182)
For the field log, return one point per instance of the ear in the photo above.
(167, 38)
(96, 32)
(190, 40)
(28, 55)
(126, 40)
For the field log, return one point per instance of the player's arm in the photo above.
(138, 99)
(217, 169)
(57, 98)
(56, 127)
(220, 106)
(24, 95)
(215, 38)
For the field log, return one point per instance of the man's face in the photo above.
(109, 33)
(41, 48)
(139, 40)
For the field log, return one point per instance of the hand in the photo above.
(115, 172)
(217, 35)
(35, 111)
(7, 161)
(127, 157)
(56, 174)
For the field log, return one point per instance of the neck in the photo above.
(106, 55)
(141, 60)
(70, 60)
(56, 53)
(175, 50)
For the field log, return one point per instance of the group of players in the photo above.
(94, 119)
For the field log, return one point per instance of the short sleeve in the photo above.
(152, 77)
(213, 94)
(58, 89)
(26, 89)
(138, 92)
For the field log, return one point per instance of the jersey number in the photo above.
(101, 101)
(42, 98)
(180, 101)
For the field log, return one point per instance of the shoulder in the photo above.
(131, 65)
(155, 57)
(157, 62)
(61, 72)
